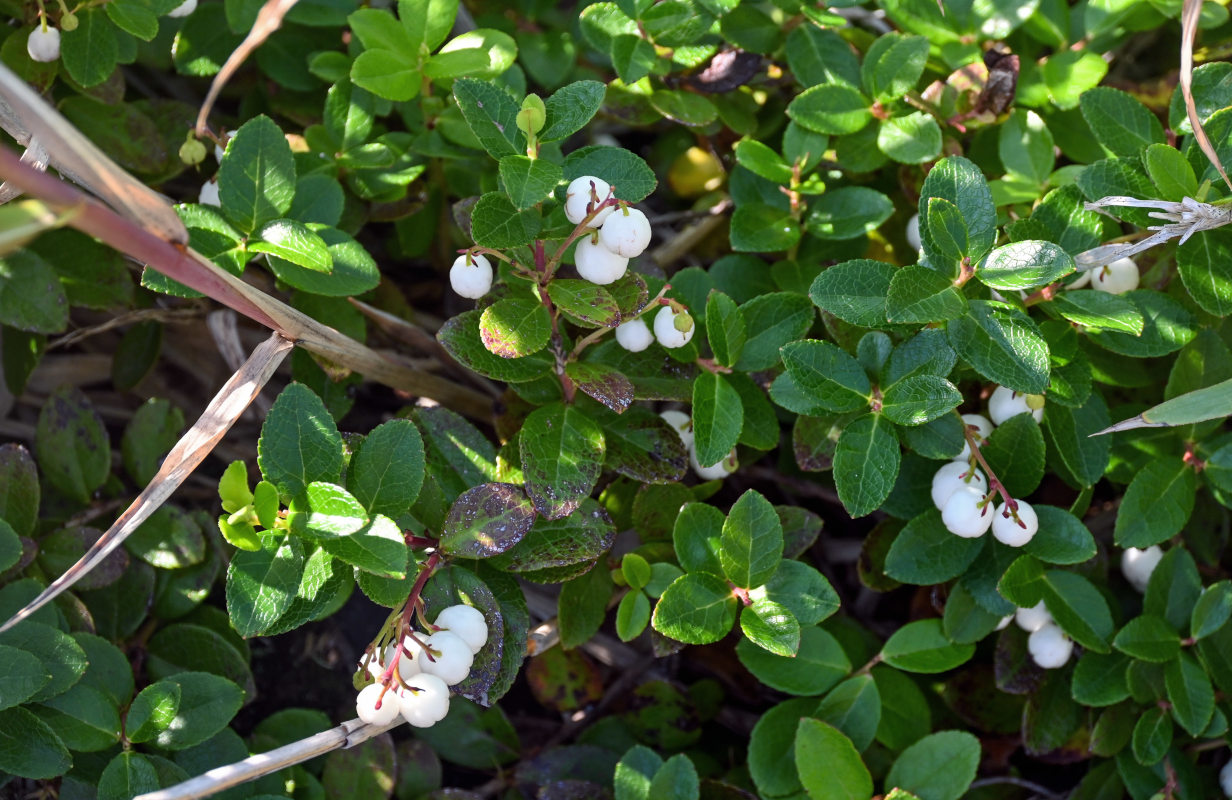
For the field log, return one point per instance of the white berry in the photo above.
(952, 477)
(1049, 646)
(983, 428)
(597, 264)
(634, 335)
(714, 472)
(1006, 403)
(1005, 622)
(366, 705)
(579, 201)
(1225, 779)
(1082, 280)
(467, 622)
(683, 425)
(1033, 618)
(626, 232)
(43, 44)
(1008, 531)
(209, 194)
(183, 9)
(450, 658)
(1137, 565)
(471, 275)
(966, 514)
(426, 701)
(667, 329)
(1119, 277)
(913, 232)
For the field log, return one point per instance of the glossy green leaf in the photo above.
(562, 454)
(718, 416)
(922, 647)
(866, 464)
(751, 543)
(698, 608)
(829, 766)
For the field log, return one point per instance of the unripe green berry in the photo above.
(68, 21)
(192, 152)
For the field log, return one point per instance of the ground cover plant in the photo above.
(689, 398)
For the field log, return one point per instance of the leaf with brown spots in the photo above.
(487, 520)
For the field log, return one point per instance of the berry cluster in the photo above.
(426, 668)
(684, 426)
(962, 493)
(1048, 645)
(610, 232)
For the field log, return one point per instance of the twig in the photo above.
(1020, 782)
(127, 318)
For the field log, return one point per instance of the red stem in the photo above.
(994, 485)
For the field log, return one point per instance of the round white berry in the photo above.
(450, 658)
(43, 44)
(471, 275)
(1137, 565)
(579, 200)
(1009, 531)
(634, 335)
(683, 425)
(1005, 403)
(209, 194)
(1005, 622)
(1033, 618)
(626, 232)
(667, 328)
(183, 9)
(366, 705)
(714, 472)
(1225, 779)
(963, 514)
(1082, 280)
(1119, 277)
(1049, 646)
(913, 232)
(983, 428)
(467, 622)
(597, 264)
(425, 701)
(954, 476)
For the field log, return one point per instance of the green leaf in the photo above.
(762, 160)
(631, 178)
(491, 114)
(919, 294)
(772, 320)
(31, 296)
(770, 626)
(24, 676)
(299, 442)
(1190, 693)
(854, 707)
(718, 416)
(31, 749)
(207, 704)
(256, 181)
(1015, 452)
(819, 55)
(1152, 736)
(462, 339)
(818, 664)
(1061, 539)
(570, 107)
(529, 181)
(854, 291)
(1026, 146)
(1149, 638)
(893, 65)
(90, 51)
(866, 464)
(642, 446)
(761, 228)
(584, 301)
(833, 108)
(1099, 679)
(497, 224)
(295, 242)
(1099, 311)
(152, 711)
(835, 379)
(583, 606)
(948, 231)
(696, 536)
(378, 548)
(604, 384)
(751, 544)
(632, 57)
(910, 139)
(925, 553)
(725, 328)
(636, 772)
(1003, 345)
(1157, 503)
(19, 488)
(1119, 121)
(261, 585)
(1174, 588)
(847, 212)
(918, 399)
(487, 520)
(71, 444)
(1025, 265)
(515, 327)
(60, 656)
(829, 765)
(632, 615)
(480, 53)
(922, 647)
(388, 74)
(962, 183)
(940, 766)
(1069, 431)
(697, 608)
(562, 454)
(1079, 608)
(1170, 172)
(1203, 262)
(387, 471)
(802, 590)
(685, 108)
(1212, 610)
